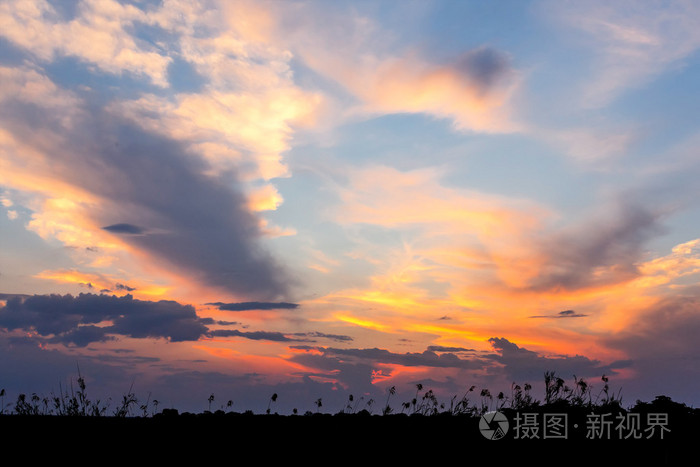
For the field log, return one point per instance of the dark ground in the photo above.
(332, 439)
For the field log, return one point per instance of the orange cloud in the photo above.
(265, 198)
(365, 323)
(464, 270)
(273, 367)
(222, 126)
(100, 281)
(410, 85)
(457, 228)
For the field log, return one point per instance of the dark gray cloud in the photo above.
(521, 364)
(8, 296)
(322, 335)
(603, 250)
(278, 336)
(209, 321)
(440, 348)
(561, 314)
(151, 186)
(426, 358)
(82, 336)
(246, 306)
(515, 362)
(484, 68)
(88, 318)
(254, 335)
(124, 229)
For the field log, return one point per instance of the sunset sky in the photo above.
(326, 198)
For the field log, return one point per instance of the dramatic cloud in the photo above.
(427, 358)
(522, 364)
(507, 362)
(517, 362)
(167, 196)
(90, 318)
(372, 193)
(148, 167)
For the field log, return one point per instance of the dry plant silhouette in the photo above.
(72, 414)
(579, 397)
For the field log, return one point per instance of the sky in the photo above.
(324, 199)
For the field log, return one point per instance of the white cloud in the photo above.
(98, 35)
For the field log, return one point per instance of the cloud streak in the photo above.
(124, 229)
(253, 335)
(562, 315)
(636, 42)
(246, 306)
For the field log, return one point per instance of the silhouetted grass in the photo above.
(578, 397)
(74, 401)
(422, 423)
